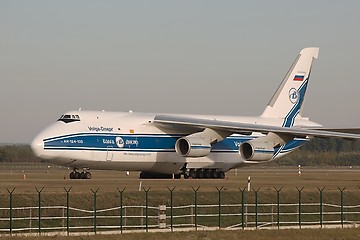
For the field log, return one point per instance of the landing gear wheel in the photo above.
(221, 175)
(192, 174)
(87, 175)
(214, 174)
(199, 174)
(77, 175)
(207, 174)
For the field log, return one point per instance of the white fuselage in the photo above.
(131, 142)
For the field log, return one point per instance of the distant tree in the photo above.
(17, 153)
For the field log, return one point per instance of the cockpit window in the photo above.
(67, 118)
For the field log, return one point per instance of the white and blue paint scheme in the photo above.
(196, 146)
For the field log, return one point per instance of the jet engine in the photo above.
(192, 146)
(256, 150)
(263, 148)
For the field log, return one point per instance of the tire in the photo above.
(214, 174)
(207, 174)
(72, 175)
(87, 175)
(77, 175)
(192, 174)
(199, 174)
(186, 176)
(221, 175)
(82, 175)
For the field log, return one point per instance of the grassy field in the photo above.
(108, 182)
(25, 178)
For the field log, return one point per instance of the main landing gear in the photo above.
(204, 174)
(80, 175)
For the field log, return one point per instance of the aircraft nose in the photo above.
(37, 146)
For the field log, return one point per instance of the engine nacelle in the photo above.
(257, 150)
(192, 146)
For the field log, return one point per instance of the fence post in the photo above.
(67, 210)
(121, 208)
(195, 195)
(278, 206)
(342, 205)
(30, 218)
(11, 209)
(171, 190)
(300, 190)
(242, 207)
(321, 205)
(147, 208)
(219, 218)
(39, 213)
(94, 192)
(256, 206)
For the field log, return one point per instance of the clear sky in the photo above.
(204, 57)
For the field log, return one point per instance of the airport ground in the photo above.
(25, 178)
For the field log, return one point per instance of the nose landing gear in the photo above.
(80, 175)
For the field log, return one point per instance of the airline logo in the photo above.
(299, 78)
(293, 95)
(119, 142)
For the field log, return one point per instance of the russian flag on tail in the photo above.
(299, 78)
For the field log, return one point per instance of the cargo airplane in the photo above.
(195, 146)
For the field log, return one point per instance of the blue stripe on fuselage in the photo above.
(144, 142)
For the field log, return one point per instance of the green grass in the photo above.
(266, 179)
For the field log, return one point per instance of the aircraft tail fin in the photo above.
(289, 97)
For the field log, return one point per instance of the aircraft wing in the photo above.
(169, 121)
(341, 130)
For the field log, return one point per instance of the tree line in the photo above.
(324, 152)
(17, 153)
(318, 152)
